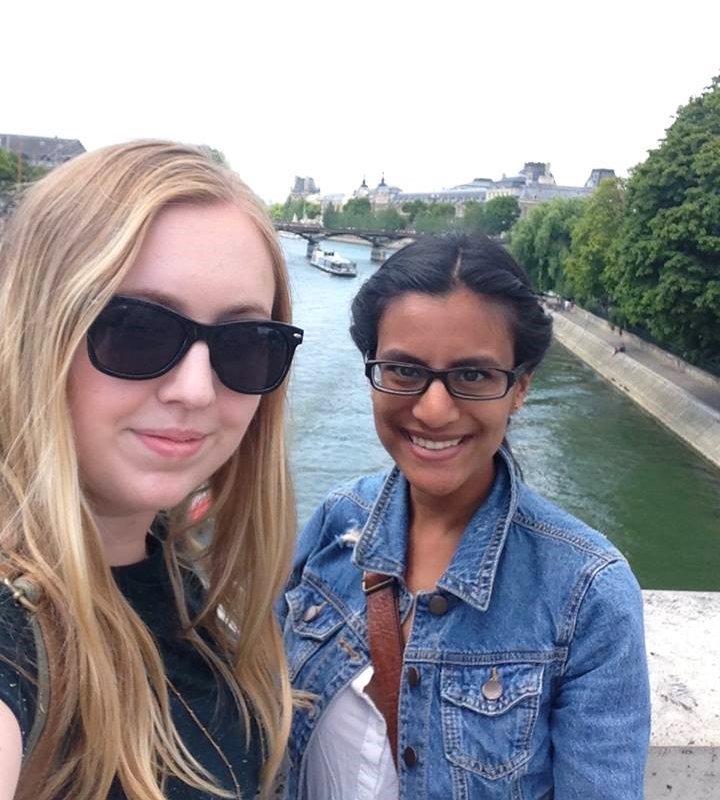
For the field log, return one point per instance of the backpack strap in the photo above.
(26, 594)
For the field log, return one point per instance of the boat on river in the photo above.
(332, 262)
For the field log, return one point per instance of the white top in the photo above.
(348, 756)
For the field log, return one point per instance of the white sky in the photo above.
(431, 92)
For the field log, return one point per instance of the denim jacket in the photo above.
(532, 598)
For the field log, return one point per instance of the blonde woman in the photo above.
(144, 343)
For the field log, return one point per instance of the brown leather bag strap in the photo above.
(386, 649)
(41, 746)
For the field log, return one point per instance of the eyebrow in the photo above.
(175, 304)
(481, 360)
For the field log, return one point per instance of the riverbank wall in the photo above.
(649, 376)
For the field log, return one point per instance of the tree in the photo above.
(436, 218)
(15, 170)
(541, 242)
(594, 245)
(501, 214)
(357, 213)
(390, 219)
(277, 211)
(312, 210)
(667, 274)
(474, 217)
(412, 208)
(216, 155)
(330, 216)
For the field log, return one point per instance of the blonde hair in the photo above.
(71, 241)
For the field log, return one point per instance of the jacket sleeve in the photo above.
(600, 722)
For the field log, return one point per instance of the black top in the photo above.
(146, 586)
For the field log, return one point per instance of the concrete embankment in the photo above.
(684, 399)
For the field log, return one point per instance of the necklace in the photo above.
(206, 734)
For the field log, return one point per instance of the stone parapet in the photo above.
(683, 647)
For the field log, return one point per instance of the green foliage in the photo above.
(436, 218)
(277, 211)
(313, 211)
(330, 216)
(412, 209)
(390, 219)
(357, 213)
(541, 242)
(500, 214)
(594, 246)
(474, 217)
(214, 154)
(667, 274)
(15, 170)
(357, 206)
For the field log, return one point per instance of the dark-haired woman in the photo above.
(506, 658)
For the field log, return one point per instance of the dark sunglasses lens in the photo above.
(135, 340)
(251, 357)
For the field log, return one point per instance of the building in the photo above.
(303, 188)
(532, 185)
(41, 151)
(598, 175)
(382, 196)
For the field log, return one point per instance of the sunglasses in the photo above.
(138, 340)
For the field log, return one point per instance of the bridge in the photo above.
(314, 233)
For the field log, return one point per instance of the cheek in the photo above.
(238, 412)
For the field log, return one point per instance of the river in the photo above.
(581, 443)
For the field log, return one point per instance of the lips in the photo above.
(172, 443)
(435, 444)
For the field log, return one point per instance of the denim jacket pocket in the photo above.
(311, 621)
(488, 716)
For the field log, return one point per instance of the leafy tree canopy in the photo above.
(15, 170)
(541, 242)
(667, 275)
(594, 244)
(501, 214)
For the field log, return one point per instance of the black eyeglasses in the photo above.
(139, 340)
(465, 383)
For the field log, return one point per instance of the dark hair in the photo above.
(439, 264)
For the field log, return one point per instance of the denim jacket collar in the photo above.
(382, 545)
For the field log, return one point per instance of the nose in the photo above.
(436, 407)
(190, 382)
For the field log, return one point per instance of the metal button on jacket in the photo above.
(311, 612)
(438, 605)
(409, 757)
(492, 689)
(413, 676)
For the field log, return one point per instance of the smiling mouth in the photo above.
(432, 444)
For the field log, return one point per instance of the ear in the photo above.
(519, 392)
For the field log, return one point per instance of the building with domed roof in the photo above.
(381, 196)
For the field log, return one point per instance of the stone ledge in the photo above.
(682, 632)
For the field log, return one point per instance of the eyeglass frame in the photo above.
(442, 375)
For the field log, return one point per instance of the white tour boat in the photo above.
(330, 261)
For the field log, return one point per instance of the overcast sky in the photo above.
(431, 92)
